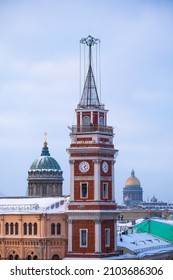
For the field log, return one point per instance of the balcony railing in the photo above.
(92, 128)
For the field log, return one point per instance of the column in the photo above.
(113, 181)
(72, 179)
(97, 180)
(81, 119)
(115, 235)
(92, 117)
(69, 235)
(98, 236)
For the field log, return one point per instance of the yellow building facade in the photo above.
(33, 228)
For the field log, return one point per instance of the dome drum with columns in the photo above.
(132, 192)
(45, 175)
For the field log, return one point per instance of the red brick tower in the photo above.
(92, 210)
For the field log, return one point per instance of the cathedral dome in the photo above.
(132, 180)
(45, 161)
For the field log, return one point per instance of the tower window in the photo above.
(107, 237)
(105, 190)
(84, 190)
(83, 237)
(86, 120)
(101, 121)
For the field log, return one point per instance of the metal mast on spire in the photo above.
(89, 41)
(90, 96)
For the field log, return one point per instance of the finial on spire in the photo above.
(90, 41)
(45, 139)
(45, 149)
(133, 173)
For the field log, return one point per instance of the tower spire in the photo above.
(89, 95)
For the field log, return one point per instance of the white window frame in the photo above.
(107, 237)
(105, 196)
(81, 184)
(86, 237)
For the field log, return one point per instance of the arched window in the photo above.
(58, 228)
(16, 228)
(35, 228)
(11, 228)
(86, 120)
(53, 229)
(6, 228)
(30, 228)
(25, 229)
(101, 121)
(10, 257)
(16, 257)
(55, 257)
(35, 257)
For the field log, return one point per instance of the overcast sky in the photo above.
(39, 86)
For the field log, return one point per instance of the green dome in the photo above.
(45, 161)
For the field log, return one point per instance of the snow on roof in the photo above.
(170, 222)
(31, 205)
(138, 221)
(144, 244)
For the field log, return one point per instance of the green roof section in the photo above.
(160, 228)
(45, 161)
(45, 151)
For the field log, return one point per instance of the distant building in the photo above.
(155, 204)
(132, 192)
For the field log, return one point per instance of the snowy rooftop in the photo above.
(144, 244)
(170, 222)
(31, 205)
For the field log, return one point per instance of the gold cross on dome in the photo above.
(45, 136)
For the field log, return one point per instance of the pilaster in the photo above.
(97, 180)
(97, 236)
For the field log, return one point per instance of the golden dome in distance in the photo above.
(132, 180)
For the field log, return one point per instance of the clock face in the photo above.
(105, 167)
(84, 166)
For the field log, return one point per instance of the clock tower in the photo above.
(92, 210)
